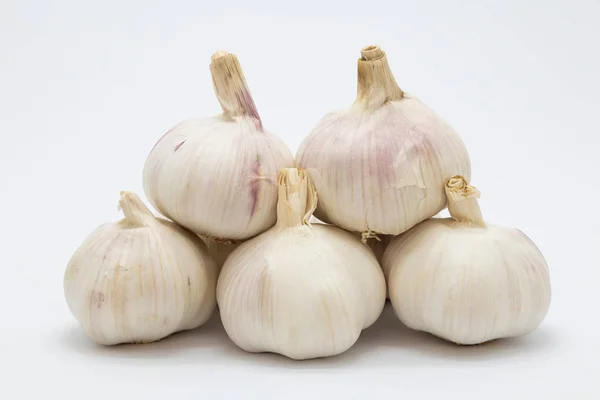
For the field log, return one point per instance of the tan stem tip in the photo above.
(462, 201)
(458, 188)
(219, 54)
(372, 52)
(297, 197)
(134, 209)
(231, 88)
(376, 82)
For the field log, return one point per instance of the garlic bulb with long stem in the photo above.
(217, 176)
(465, 280)
(140, 279)
(301, 290)
(380, 166)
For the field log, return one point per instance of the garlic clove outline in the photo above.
(465, 280)
(140, 279)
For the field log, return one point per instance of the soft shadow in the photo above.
(183, 347)
(389, 334)
(387, 342)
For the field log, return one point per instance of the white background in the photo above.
(86, 89)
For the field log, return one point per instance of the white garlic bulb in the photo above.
(140, 279)
(464, 280)
(380, 165)
(300, 290)
(217, 176)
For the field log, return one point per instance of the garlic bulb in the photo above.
(140, 279)
(217, 176)
(380, 166)
(300, 290)
(464, 280)
(219, 250)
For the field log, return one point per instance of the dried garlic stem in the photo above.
(135, 211)
(376, 83)
(297, 198)
(462, 201)
(231, 88)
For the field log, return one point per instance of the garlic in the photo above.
(378, 244)
(217, 176)
(140, 279)
(464, 280)
(219, 250)
(380, 166)
(300, 290)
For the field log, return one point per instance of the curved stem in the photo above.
(297, 198)
(135, 211)
(462, 201)
(231, 88)
(376, 83)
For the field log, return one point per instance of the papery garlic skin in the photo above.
(464, 280)
(379, 244)
(301, 290)
(217, 176)
(380, 166)
(140, 279)
(219, 250)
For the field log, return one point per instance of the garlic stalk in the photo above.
(217, 176)
(140, 279)
(301, 290)
(380, 165)
(464, 280)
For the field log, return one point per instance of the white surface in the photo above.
(86, 89)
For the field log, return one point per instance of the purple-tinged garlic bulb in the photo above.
(380, 165)
(217, 176)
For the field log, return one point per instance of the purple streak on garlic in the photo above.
(222, 182)
(380, 166)
(255, 184)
